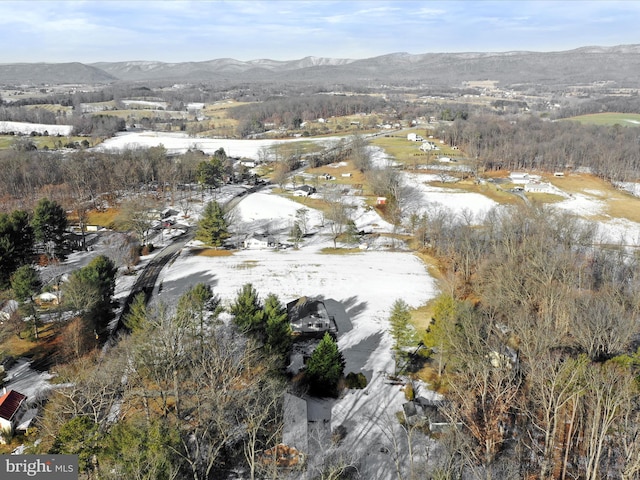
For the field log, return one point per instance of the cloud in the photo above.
(200, 30)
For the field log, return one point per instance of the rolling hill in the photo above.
(618, 65)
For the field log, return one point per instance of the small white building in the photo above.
(520, 178)
(428, 147)
(304, 191)
(539, 187)
(259, 241)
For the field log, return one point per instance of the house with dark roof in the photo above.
(304, 191)
(12, 405)
(259, 241)
(309, 318)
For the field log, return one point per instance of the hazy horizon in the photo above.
(50, 31)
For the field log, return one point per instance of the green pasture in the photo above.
(609, 119)
(54, 108)
(407, 152)
(46, 143)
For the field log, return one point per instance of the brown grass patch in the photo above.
(356, 178)
(103, 218)
(340, 251)
(41, 350)
(429, 374)
(580, 183)
(408, 152)
(421, 318)
(545, 198)
(211, 252)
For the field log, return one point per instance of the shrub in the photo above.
(409, 393)
(356, 380)
(338, 434)
(146, 249)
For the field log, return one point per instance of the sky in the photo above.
(198, 30)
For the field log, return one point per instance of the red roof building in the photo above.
(10, 404)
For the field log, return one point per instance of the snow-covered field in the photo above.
(24, 128)
(180, 143)
(424, 197)
(365, 283)
(145, 103)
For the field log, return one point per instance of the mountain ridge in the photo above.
(580, 65)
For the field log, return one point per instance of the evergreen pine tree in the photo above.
(101, 273)
(137, 316)
(278, 328)
(325, 368)
(247, 310)
(25, 283)
(401, 329)
(49, 223)
(212, 228)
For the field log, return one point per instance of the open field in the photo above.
(103, 218)
(608, 118)
(616, 203)
(488, 190)
(407, 152)
(46, 143)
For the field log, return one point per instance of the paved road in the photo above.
(148, 277)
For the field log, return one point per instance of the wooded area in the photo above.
(534, 338)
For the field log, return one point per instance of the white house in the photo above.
(521, 178)
(539, 187)
(259, 241)
(428, 146)
(304, 191)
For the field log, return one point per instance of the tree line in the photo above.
(531, 143)
(79, 177)
(185, 394)
(536, 338)
(291, 112)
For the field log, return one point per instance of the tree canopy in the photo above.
(325, 368)
(49, 223)
(212, 228)
(247, 310)
(16, 243)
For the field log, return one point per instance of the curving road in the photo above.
(146, 281)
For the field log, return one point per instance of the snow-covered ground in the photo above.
(424, 197)
(180, 143)
(366, 284)
(24, 128)
(610, 229)
(145, 103)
